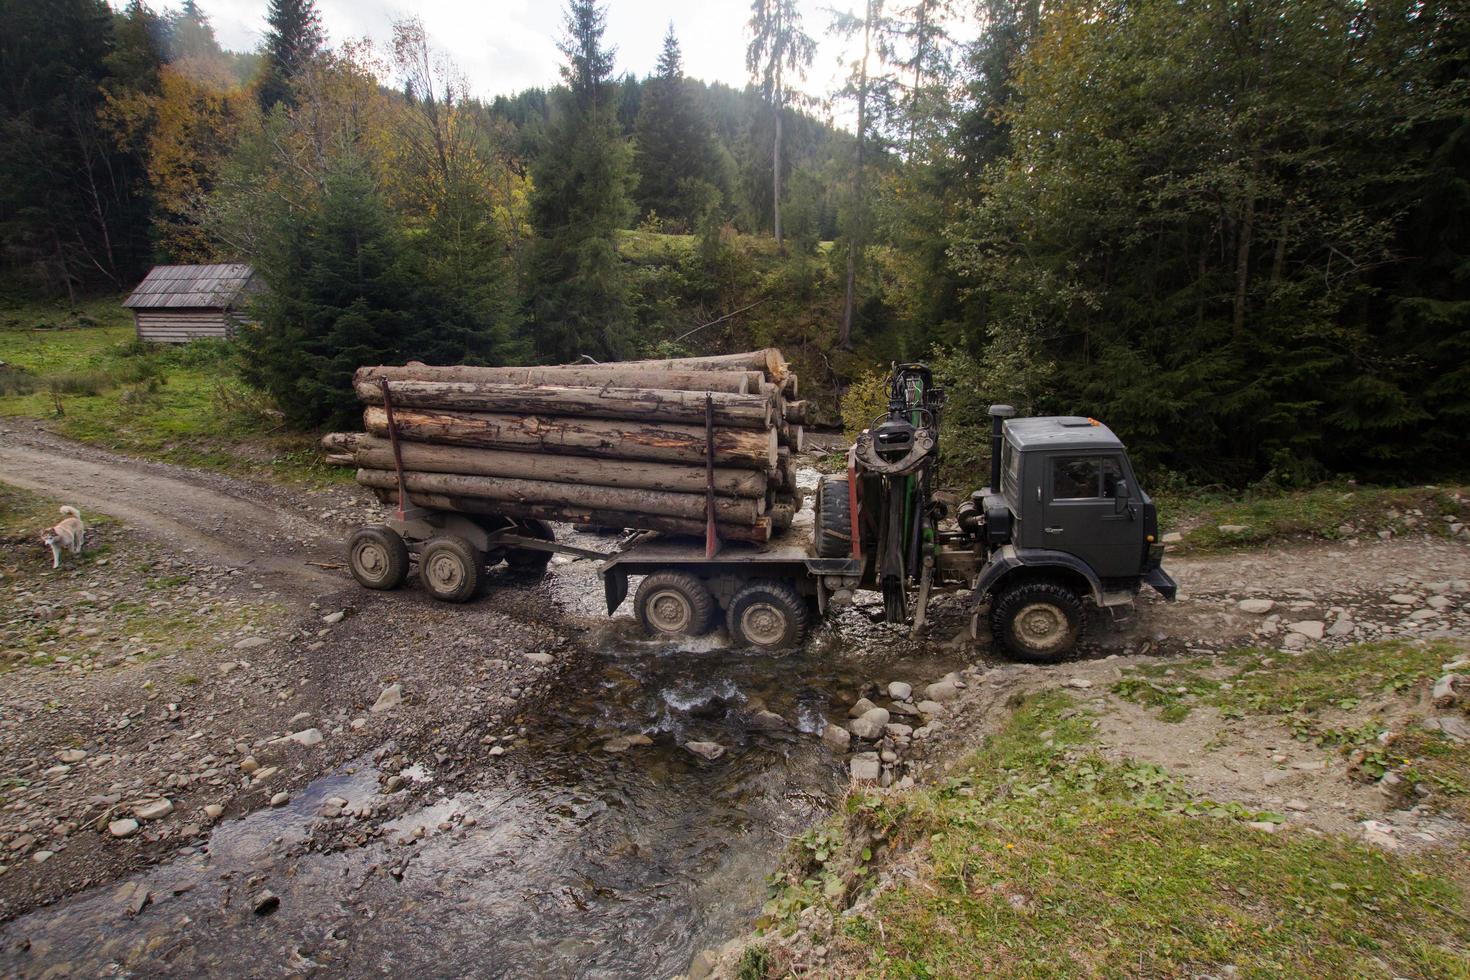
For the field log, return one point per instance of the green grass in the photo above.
(1041, 859)
(1247, 682)
(86, 376)
(1320, 512)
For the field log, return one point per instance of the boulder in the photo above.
(1312, 629)
(865, 767)
(898, 690)
(836, 738)
(706, 750)
(941, 691)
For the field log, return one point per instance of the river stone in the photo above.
(1256, 607)
(1404, 599)
(706, 750)
(540, 658)
(281, 799)
(125, 827)
(214, 811)
(621, 743)
(941, 691)
(1312, 629)
(71, 756)
(251, 643)
(266, 902)
(307, 737)
(862, 707)
(1342, 626)
(332, 619)
(836, 738)
(897, 690)
(153, 809)
(865, 767)
(766, 721)
(930, 708)
(870, 726)
(391, 698)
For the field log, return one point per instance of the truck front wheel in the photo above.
(768, 615)
(1039, 622)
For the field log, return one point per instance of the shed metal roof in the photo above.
(1060, 432)
(191, 286)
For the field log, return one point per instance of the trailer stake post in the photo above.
(711, 532)
(403, 512)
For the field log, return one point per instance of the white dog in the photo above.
(69, 534)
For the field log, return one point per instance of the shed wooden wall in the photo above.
(178, 326)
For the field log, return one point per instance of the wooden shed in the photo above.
(178, 303)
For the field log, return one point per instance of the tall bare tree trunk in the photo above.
(776, 173)
(858, 231)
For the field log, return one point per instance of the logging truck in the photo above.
(1063, 527)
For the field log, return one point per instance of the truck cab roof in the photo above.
(1060, 432)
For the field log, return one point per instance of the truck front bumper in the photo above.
(1161, 582)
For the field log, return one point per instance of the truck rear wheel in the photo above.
(450, 568)
(768, 615)
(378, 557)
(833, 518)
(672, 604)
(1039, 622)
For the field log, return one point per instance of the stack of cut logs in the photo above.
(617, 445)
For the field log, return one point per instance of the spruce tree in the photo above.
(674, 156)
(778, 49)
(342, 293)
(578, 298)
(294, 38)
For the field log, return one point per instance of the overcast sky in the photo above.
(507, 45)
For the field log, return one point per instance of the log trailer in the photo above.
(1063, 527)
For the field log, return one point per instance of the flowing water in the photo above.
(580, 863)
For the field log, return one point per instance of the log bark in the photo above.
(531, 494)
(757, 533)
(768, 361)
(372, 453)
(671, 443)
(657, 404)
(795, 412)
(588, 376)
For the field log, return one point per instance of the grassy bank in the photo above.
(84, 375)
(1215, 521)
(1040, 857)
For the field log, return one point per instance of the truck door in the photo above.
(1084, 517)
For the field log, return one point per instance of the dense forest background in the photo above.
(1237, 230)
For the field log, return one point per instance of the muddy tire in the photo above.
(1038, 622)
(450, 568)
(833, 518)
(768, 615)
(524, 561)
(671, 604)
(378, 557)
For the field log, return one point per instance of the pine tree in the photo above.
(674, 156)
(190, 34)
(342, 294)
(778, 49)
(294, 38)
(578, 301)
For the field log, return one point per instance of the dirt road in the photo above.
(245, 524)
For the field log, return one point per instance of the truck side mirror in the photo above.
(1121, 495)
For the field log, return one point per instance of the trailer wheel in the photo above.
(524, 561)
(1039, 622)
(673, 604)
(769, 615)
(450, 568)
(378, 557)
(833, 518)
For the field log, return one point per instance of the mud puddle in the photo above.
(570, 860)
